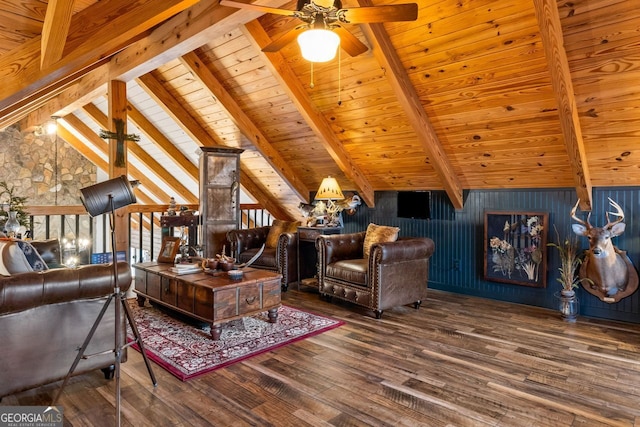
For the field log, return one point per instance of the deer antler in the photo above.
(619, 214)
(575, 218)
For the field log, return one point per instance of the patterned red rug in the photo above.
(185, 349)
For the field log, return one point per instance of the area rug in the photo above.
(185, 349)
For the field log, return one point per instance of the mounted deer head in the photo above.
(604, 266)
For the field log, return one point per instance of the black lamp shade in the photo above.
(97, 199)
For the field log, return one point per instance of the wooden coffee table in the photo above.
(210, 297)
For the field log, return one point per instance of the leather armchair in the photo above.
(45, 316)
(283, 258)
(395, 273)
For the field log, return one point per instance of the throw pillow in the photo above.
(277, 228)
(18, 256)
(33, 257)
(378, 234)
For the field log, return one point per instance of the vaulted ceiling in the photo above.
(475, 94)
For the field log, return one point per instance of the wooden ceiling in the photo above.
(478, 94)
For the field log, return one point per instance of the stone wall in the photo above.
(28, 162)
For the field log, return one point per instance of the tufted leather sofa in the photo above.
(396, 273)
(46, 316)
(283, 258)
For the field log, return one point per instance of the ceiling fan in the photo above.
(328, 15)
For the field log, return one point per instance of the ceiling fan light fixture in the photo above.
(318, 45)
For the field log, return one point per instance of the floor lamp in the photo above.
(98, 199)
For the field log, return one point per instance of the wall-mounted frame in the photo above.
(169, 249)
(515, 248)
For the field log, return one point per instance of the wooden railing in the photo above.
(72, 224)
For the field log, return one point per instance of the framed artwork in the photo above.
(515, 248)
(169, 249)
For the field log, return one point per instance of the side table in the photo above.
(307, 255)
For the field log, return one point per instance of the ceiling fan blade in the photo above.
(256, 7)
(383, 13)
(350, 43)
(285, 39)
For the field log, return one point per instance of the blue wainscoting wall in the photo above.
(458, 262)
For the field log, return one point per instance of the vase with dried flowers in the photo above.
(570, 260)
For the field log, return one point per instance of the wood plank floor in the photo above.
(457, 361)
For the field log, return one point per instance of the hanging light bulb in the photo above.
(318, 45)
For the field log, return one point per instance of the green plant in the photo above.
(570, 260)
(10, 202)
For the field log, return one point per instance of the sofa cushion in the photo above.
(277, 228)
(378, 234)
(350, 270)
(49, 250)
(19, 256)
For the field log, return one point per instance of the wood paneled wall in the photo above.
(457, 264)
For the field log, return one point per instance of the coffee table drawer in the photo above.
(169, 291)
(249, 298)
(203, 303)
(271, 293)
(186, 296)
(141, 281)
(224, 304)
(153, 285)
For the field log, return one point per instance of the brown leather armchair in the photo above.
(45, 316)
(282, 258)
(395, 273)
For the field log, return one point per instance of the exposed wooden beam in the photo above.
(82, 148)
(174, 108)
(312, 115)
(30, 103)
(153, 165)
(268, 203)
(64, 132)
(55, 28)
(189, 124)
(181, 34)
(87, 88)
(118, 147)
(245, 124)
(410, 102)
(162, 142)
(552, 39)
(73, 122)
(142, 197)
(96, 33)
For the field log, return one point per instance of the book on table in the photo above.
(186, 268)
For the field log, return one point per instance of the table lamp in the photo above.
(330, 191)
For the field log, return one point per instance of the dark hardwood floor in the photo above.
(457, 361)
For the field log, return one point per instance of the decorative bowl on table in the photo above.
(226, 265)
(235, 274)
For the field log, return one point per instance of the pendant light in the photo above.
(318, 44)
